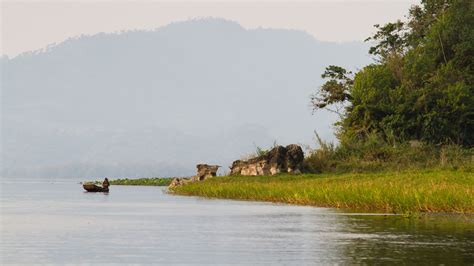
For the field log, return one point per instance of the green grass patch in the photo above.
(154, 181)
(406, 192)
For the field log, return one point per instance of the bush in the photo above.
(375, 154)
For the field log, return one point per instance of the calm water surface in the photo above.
(58, 223)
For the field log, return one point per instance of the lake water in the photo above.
(58, 223)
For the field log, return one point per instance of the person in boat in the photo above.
(106, 184)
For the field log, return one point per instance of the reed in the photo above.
(404, 192)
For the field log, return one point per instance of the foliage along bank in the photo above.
(421, 86)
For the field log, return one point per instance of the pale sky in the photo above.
(32, 25)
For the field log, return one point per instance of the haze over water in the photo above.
(46, 222)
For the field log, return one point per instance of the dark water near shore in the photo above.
(59, 223)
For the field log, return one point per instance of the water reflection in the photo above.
(435, 240)
(58, 223)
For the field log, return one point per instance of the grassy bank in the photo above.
(155, 181)
(376, 155)
(436, 191)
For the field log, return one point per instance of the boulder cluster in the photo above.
(204, 171)
(280, 159)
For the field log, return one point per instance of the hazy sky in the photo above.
(31, 25)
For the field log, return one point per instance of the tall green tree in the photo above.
(421, 86)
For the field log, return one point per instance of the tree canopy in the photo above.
(421, 85)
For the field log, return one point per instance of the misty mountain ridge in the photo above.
(141, 103)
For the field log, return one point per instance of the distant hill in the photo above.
(155, 103)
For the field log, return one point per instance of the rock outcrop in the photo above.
(280, 159)
(204, 171)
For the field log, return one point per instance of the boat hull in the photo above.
(94, 188)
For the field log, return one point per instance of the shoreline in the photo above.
(415, 192)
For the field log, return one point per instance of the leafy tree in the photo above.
(421, 86)
(336, 91)
(391, 39)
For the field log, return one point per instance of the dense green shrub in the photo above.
(375, 154)
(421, 86)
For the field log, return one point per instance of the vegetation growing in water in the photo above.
(154, 181)
(394, 192)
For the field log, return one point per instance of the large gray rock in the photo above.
(294, 158)
(204, 171)
(280, 159)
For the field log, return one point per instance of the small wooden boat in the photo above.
(94, 188)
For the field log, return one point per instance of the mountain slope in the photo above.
(202, 90)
